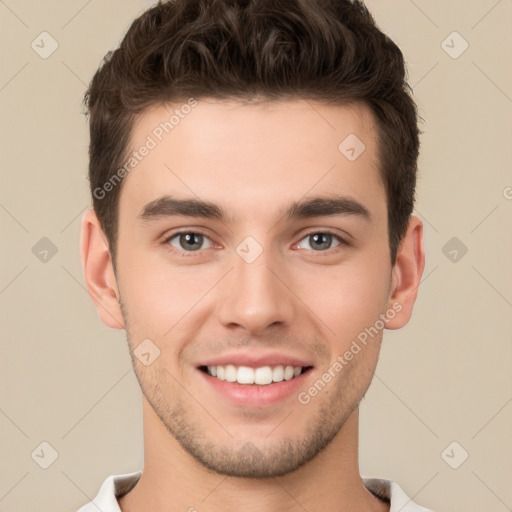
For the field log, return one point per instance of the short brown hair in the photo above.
(324, 50)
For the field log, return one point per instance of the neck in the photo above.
(173, 480)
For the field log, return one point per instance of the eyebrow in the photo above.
(168, 206)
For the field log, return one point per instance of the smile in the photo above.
(261, 376)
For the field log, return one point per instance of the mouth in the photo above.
(255, 376)
(245, 379)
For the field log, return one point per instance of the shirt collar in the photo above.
(117, 485)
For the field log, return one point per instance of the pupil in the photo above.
(192, 241)
(323, 240)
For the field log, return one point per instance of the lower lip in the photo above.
(254, 395)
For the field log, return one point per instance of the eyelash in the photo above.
(188, 254)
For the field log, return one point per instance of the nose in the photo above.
(255, 296)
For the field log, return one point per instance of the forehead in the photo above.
(245, 155)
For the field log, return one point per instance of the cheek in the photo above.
(348, 299)
(159, 300)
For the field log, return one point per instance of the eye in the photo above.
(321, 241)
(189, 241)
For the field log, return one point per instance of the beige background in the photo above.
(67, 379)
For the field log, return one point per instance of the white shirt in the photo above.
(116, 486)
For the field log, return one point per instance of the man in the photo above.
(252, 168)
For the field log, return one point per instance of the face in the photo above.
(249, 243)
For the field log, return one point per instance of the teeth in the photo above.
(288, 373)
(278, 374)
(230, 373)
(244, 375)
(263, 375)
(260, 376)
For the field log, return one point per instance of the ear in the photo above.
(98, 271)
(406, 274)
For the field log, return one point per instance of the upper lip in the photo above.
(252, 360)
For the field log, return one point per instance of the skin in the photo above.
(253, 161)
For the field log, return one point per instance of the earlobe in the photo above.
(98, 271)
(406, 274)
